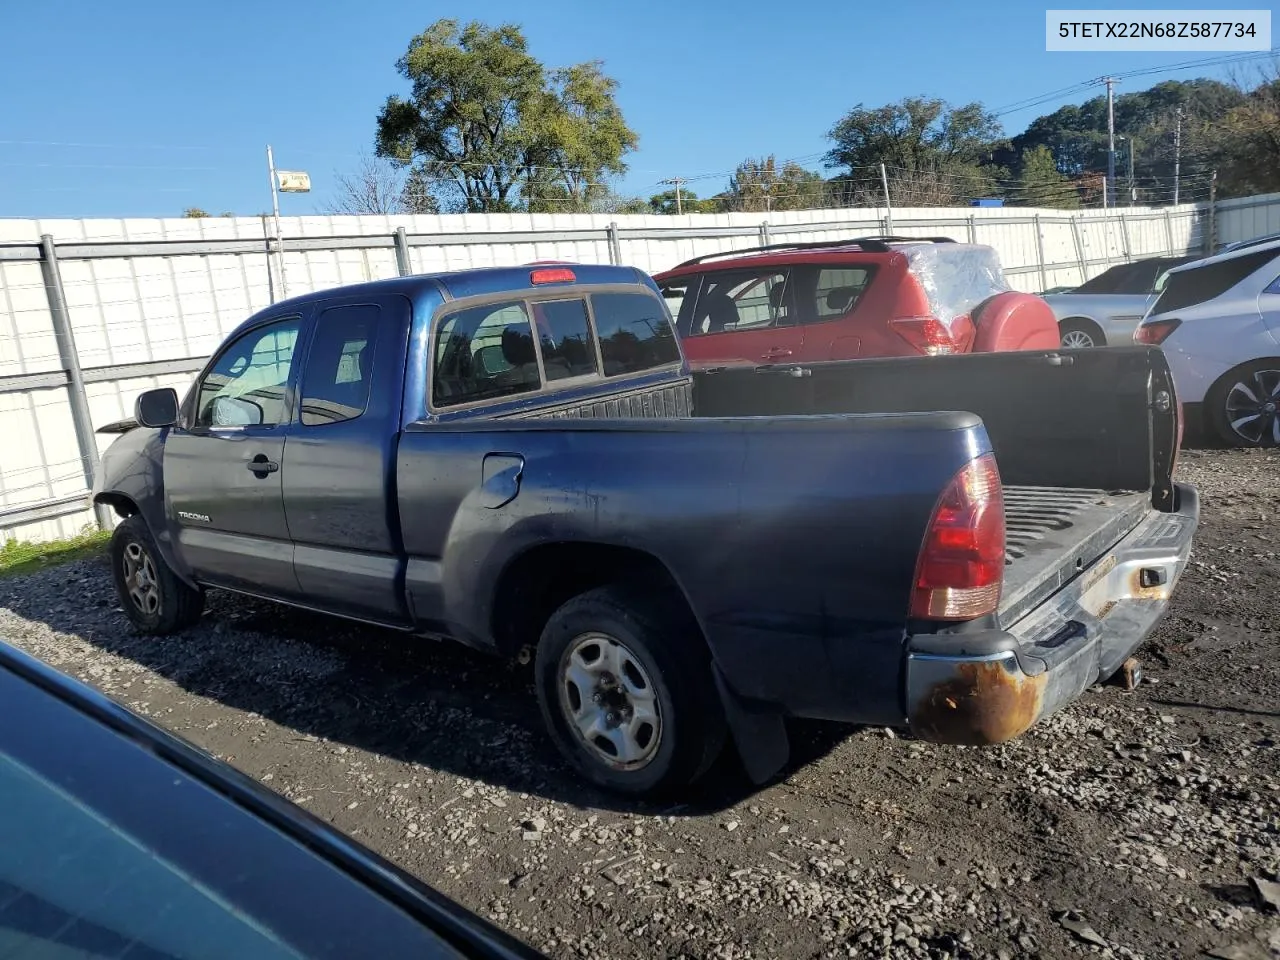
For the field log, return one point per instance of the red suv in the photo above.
(848, 299)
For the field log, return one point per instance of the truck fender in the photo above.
(760, 736)
(130, 479)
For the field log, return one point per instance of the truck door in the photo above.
(339, 459)
(222, 464)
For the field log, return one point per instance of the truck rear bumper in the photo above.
(990, 686)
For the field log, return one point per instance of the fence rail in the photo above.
(98, 311)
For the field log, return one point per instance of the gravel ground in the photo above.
(1130, 825)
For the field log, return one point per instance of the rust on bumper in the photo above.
(978, 704)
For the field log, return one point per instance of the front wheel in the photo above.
(624, 684)
(1244, 406)
(154, 599)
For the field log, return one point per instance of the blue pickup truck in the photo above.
(519, 459)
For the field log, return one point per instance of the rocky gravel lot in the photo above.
(1131, 825)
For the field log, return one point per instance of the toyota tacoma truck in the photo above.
(519, 459)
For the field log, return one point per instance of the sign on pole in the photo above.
(294, 181)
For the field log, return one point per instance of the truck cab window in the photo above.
(484, 353)
(635, 333)
(246, 387)
(565, 338)
(339, 371)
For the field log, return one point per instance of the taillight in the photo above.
(1155, 332)
(925, 334)
(960, 568)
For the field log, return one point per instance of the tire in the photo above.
(153, 598)
(655, 646)
(1083, 334)
(1247, 390)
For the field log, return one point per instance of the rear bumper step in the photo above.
(990, 687)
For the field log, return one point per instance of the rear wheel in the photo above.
(1080, 334)
(152, 596)
(1244, 406)
(624, 683)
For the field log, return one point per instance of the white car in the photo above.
(1218, 322)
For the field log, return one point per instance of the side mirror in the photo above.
(157, 408)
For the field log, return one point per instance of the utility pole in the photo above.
(275, 210)
(1213, 215)
(1177, 154)
(888, 207)
(1133, 189)
(676, 182)
(1109, 194)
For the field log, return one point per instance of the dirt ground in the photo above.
(1130, 825)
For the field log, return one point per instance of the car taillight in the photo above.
(960, 568)
(1155, 332)
(926, 334)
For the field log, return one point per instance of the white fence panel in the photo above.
(141, 306)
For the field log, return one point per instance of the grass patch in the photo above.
(20, 556)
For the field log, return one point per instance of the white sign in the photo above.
(1200, 30)
(294, 181)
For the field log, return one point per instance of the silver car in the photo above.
(1108, 308)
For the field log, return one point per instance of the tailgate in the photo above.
(1053, 533)
(1085, 419)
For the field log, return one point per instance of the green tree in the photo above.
(665, 203)
(934, 154)
(1076, 134)
(1040, 184)
(490, 129)
(194, 213)
(1247, 151)
(580, 136)
(761, 185)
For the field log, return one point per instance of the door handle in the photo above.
(261, 466)
(777, 353)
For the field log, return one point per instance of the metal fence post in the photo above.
(1124, 238)
(764, 233)
(1168, 230)
(70, 359)
(1079, 244)
(1044, 276)
(401, 240)
(973, 229)
(615, 245)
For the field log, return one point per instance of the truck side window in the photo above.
(339, 371)
(565, 338)
(246, 387)
(483, 353)
(634, 332)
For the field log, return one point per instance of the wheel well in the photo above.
(123, 506)
(540, 580)
(1087, 324)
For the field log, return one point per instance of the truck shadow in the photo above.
(439, 705)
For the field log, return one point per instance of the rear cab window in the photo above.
(634, 333)
(524, 346)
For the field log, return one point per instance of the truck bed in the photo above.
(1054, 532)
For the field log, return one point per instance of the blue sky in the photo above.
(142, 108)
